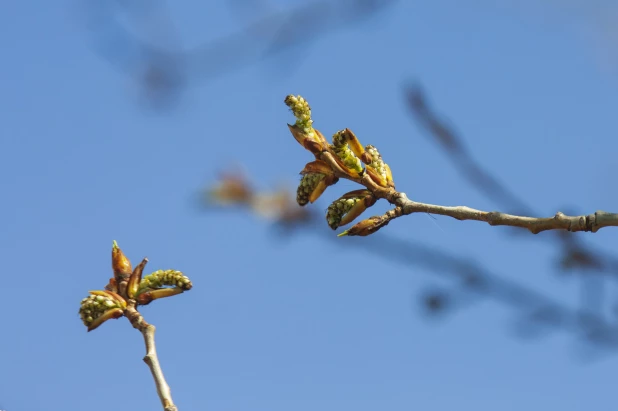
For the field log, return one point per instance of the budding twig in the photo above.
(121, 297)
(344, 163)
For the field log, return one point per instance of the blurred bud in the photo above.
(120, 263)
(345, 209)
(232, 189)
(100, 307)
(366, 227)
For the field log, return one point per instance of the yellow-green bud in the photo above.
(376, 160)
(308, 183)
(95, 309)
(342, 150)
(302, 112)
(162, 278)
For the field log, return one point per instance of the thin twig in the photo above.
(404, 206)
(151, 359)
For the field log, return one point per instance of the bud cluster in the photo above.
(349, 156)
(128, 286)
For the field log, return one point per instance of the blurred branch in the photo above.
(274, 33)
(455, 148)
(574, 254)
(535, 308)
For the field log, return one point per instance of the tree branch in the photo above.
(404, 206)
(151, 359)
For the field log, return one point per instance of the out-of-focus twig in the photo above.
(454, 146)
(165, 68)
(574, 253)
(472, 278)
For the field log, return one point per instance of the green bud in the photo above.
(163, 278)
(308, 183)
(302, 112)
(341, 148)
(96, 309)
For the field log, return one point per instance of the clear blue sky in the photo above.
(299, 324)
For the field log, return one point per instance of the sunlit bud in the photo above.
(303, 130)
(301, 110)
(366, 227)
(310, 141)
(317, 176)
(355, 145)
(122, 303)
(317, 166)
(99, 307)
(161, 278)
(136, 278)
(120, 263)
(389, 176)
(309, 183)
(345, 209)
(377, 169)
(342, 151)
(147, 297)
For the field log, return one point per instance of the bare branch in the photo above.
(151, 359)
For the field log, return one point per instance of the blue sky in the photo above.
(299, 323)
